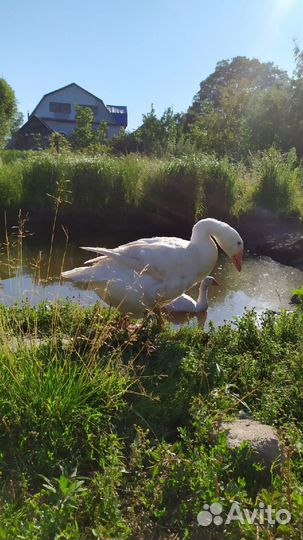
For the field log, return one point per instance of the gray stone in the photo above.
(263, 440)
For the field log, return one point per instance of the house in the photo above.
(56, 111)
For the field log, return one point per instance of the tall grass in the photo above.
(10, 185)
(278, 187)
(181, 189)
(178, 188)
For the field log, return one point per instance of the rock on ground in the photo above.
(263, 440)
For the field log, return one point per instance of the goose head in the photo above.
(208, 281)
(225, 236)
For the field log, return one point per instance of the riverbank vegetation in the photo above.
(109, 432)
(182, 189)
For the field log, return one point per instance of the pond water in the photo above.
(27, 273)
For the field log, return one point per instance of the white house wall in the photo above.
(68, 127)
(75, 96)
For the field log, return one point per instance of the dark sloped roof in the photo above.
(33, 125)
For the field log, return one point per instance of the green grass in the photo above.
(106, 433)
(279, 183)
(176, 189)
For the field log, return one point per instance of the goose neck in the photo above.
(202, 302)
(205, 228)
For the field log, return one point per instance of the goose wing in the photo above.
(159, 257)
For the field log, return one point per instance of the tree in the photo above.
(149, 133)
(17, 123)
(252, 75)
(84, 136)
(8, 111)
(221, 131)
(125, 142)
(296, 108)
(267, 118)
(160, 136)
(58, 143)
(240, 107)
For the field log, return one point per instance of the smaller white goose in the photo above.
(186, 304)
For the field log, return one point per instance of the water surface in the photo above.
(263, 284)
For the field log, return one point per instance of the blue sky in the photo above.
(138, 52)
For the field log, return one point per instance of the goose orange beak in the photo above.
(237, 260)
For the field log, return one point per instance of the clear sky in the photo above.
(138, 52)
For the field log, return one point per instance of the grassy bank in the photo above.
(148, 189)
(107, 433)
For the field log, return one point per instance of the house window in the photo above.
(56, 107)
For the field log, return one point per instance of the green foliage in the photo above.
(182, 189)
(246, 105)
(267, 118)
(296, 133)
(278, 188)
(83, 133)
(84, 136)
(104, 185)
(222, 131)
(115, 434)
(9, 156)
(220, 188)
(8, 111)
(192, 187)
(250, 73)
(124, 143)
(42, 174)
(58, 143)
(10, 185)
(160, 136)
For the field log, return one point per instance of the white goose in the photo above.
(153, 271)
(186, 304)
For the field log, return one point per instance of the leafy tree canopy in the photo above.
(8, 111)
(249, 75)
(245, 105)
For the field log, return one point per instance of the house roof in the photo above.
(119, 118)
(33, 119)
